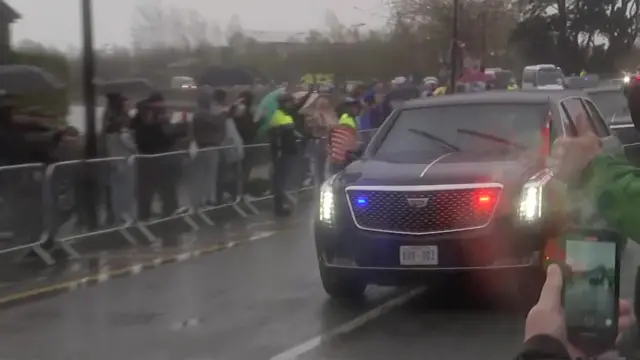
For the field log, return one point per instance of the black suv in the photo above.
(447, 185)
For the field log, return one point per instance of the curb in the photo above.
(130, 270)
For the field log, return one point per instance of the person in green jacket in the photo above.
(614, 184)
(610, 182)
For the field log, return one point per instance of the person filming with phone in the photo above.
(614, 186)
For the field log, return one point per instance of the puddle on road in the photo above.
(186, 324)
(133, 319)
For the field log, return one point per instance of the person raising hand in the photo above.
(610, 183)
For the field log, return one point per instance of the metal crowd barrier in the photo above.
(42, 208)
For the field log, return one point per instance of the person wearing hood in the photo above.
(208, 132)
(155, 135)
(25, 142)
(118, 143)
(247, 127)
(230, 177)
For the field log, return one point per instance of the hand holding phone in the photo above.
(591, 289)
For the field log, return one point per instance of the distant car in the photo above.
(543, 77)
(500, 79)
(183, 82)
(447, 185)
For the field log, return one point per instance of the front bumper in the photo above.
(376, 255)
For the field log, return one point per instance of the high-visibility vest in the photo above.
(347, 120)
(512, 87)
(583, 73)
(280, 118)
(442, 90)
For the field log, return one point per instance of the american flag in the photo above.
(341, 140)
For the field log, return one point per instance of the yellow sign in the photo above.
(323, 79)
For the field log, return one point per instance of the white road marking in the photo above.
(103, 277)
(136, 269)
(348, 327)
(262, 223)
(183, 257)
(261, 235)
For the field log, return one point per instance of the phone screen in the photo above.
(590, 295)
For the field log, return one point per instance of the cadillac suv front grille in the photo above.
(423, 210)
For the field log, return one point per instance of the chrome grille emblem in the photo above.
(418, 203)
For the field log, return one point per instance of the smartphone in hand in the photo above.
(591, 289)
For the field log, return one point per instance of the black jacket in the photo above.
(543, 347)
(154, 137)
(27, 143)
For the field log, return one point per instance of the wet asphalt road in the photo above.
(255, 302)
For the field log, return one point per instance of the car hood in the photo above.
(451, 168)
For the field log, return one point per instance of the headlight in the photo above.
(327, 201)
(530, 207)
(626, 79)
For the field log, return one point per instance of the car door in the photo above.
(575, 109)
(622, 127)
(571, 110)
(612, 142)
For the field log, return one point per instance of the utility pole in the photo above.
(454, 47)
(483, 40)
(91, 141)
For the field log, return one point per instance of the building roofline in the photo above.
(10, 12)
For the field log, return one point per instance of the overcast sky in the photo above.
(57, 22)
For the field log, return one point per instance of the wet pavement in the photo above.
(262, 300)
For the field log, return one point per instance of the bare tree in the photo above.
(158, 26)
(336, 28)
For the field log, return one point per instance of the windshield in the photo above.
(610, 103)
(475, 127)
(547, 77)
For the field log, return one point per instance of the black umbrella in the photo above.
(399, 95)
(23, 79)
(217, 76)
(134, 86)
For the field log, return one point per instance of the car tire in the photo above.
(340, 285)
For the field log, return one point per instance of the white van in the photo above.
(183, 82)
(544, 76)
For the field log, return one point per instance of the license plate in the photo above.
(418, 255)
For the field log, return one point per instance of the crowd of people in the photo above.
(219, 136)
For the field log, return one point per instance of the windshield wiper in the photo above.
(435, 138)
(493, 138)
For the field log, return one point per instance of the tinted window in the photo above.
(549, 77)
(597, 120)
(611, 103)
(474, 86)
(527, 76)
(575, 112)
(502, 79)
(475, 127)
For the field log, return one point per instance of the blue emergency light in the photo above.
(361, 201)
